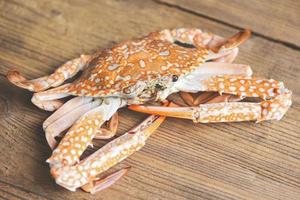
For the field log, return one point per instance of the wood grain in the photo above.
(182, 160)
(274, 20)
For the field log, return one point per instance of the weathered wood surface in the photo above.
(273, 20)
(182, 160)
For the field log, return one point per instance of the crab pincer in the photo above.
(273, 104)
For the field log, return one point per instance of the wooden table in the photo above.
(182, 160)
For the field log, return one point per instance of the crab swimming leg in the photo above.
(71, 173)
(275, 101)
(225, 50)
(66, 71)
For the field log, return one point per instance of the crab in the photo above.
(187, 61)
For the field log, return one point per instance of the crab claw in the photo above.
(105, 182)
(71, 172)
(276, 101)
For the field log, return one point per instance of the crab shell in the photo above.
(137, 70)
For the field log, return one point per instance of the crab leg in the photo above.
(67, 107)
(276, 101)
(229, 58)
(66, 71)
(56, 124)
(216, 44)
(207, 97)
(48, 100)
(64, 158)
(191, 82)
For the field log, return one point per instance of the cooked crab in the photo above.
(138, 71)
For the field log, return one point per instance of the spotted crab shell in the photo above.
(112, 72)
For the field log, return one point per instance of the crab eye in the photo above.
(127, 90)
(158, 86)
(174, 78)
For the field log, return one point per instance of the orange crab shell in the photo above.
(110, 72)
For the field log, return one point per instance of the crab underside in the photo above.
(183, 73)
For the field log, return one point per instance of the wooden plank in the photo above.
(274, 19)
(12, 192)
(182, 160)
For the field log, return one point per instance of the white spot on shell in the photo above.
(232, 88)
(221, 85)
(242, 88)
(113, 67)
(142, 64)
(164, 53)
(97, 80)
(73, 151)
(126, 78)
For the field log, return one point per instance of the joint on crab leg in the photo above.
(64, 118)
(69, 106)
(228, 58)
(66, 71)
(48, 100)
(111, 128)
(50, 105)
(57, 127)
